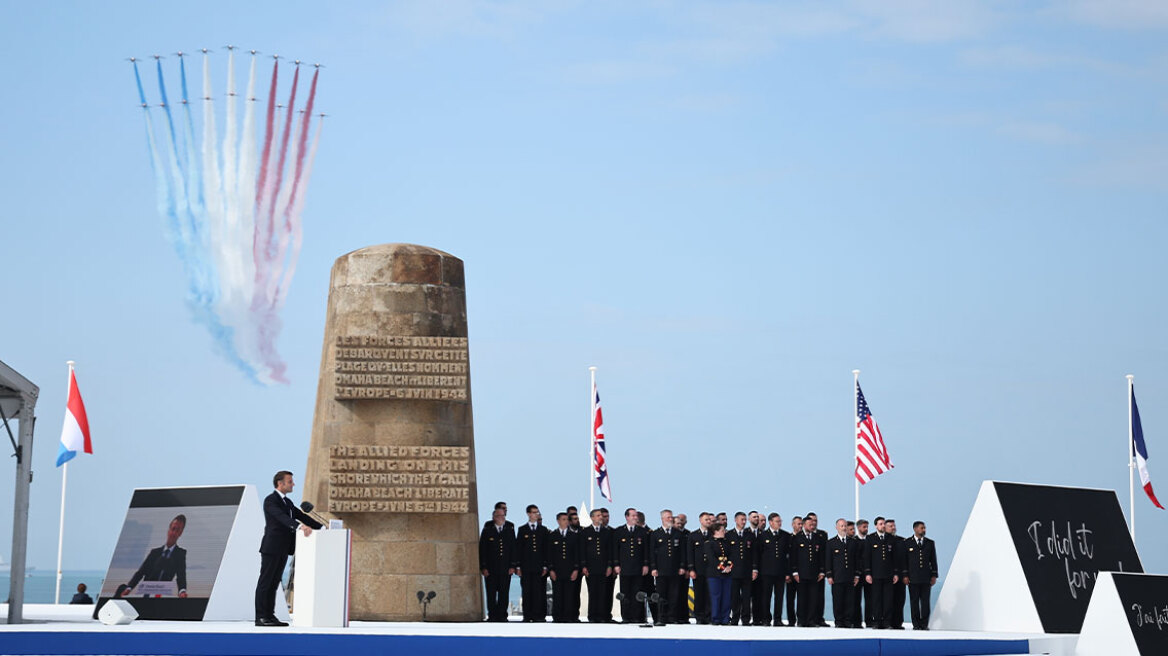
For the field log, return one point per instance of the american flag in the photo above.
(872, 457)
(599, 464)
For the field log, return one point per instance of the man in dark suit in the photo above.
(681, 616)
(843, 575)
(740, 543)
(281, 520)
(165, 563)
(630, 552)
(772, 550)
(610, 584)
(596, 559)
(881, 573)
(792, 586)
(807, 568)
(899, 592)
(530, 557)
(667, 566)
(821, 600)
(863, 615)
(574, 597)
(695, 562)
(497, 563)
(563, 562)
(920, 574)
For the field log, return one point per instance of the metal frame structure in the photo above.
(18, 399)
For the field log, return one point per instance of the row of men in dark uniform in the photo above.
(756, 562)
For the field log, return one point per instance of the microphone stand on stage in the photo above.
(643, 598)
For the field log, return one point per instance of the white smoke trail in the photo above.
(245, 187)
(229, 278)
(212, 185)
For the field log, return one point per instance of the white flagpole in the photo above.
(64, 479)
(591, 439)
(855, 436)
(1131, 460)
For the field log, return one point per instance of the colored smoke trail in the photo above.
(220, 199)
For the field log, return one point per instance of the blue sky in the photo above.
(724, 206)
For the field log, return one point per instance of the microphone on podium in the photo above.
(307, 507)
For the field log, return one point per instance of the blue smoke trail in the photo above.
(161, 192)
(191, 245)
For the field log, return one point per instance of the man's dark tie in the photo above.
(288, 502)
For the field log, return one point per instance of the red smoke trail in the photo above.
(260, 236)
(283, 153)
(303, 142)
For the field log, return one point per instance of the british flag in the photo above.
(599, 463)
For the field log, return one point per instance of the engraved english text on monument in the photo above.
(400, 479)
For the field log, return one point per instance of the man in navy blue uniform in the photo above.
(880, 571)
(530, 542)
(596, 559)
(497, 563)
(281, 521)
(740, 542)
(807, 569)
(843, 574)
(772, 550)
(667, 566)
(920, 574)
(563, 562)
(630, 549)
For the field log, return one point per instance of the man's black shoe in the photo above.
(270, 621)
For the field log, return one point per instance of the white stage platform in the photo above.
(69, 630)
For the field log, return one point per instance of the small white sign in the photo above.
(336, 524)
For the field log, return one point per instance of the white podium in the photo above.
(322, 579)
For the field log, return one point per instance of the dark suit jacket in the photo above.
(157, 568)
(596, 549)
(530, 548)
(772, 553)
(280, 523)
(630, 549)
(919, 563)
(807, 558)
(666, 552)
(497, 548)
(562, 552)
(695, 551)
(741, 552)
(843, 559)
(880, 556)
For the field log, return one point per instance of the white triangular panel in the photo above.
(1106, 631)
(233, 597)
(985, 588)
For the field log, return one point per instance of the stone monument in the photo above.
(392, 451)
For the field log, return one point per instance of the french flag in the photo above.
(1141, 450)
(75, 433)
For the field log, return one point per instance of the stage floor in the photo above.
(69, 630)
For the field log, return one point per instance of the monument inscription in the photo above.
(399, 479)
(401, 367)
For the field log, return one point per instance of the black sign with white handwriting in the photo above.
(1145, 602)
(1065, 537)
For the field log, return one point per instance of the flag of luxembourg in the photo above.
(75, 433)
(1141, 450)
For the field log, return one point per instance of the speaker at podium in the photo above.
(322, 578)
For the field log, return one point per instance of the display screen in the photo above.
(169, 550)
(1065, 536)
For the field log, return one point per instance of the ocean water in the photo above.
(40, 585)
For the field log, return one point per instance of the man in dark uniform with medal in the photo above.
(596, 557)
(497, 563)
(843, 575)
(807, 568)
(880, 572)
(772, 558)
(681, 609)
(530, 544)
(667, 567)
(630, 547)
